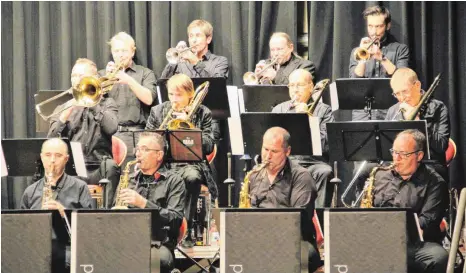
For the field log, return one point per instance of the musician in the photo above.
(284, 184)
(407, 89)
(198, 62)
(180, 93)
(134, 91)
(155, 187)
(300, 89)
(93, 127)
(386, 55)
(281, 47)
(414, 185)
(67, 192)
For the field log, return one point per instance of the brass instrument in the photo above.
(176, 124)
(362, 53)
(244, 199)
(173, 54)
(47, 193)
(368, 191)
(124, 184)
(319, 87)
(423, 101)
(250, 78)
(87, 93)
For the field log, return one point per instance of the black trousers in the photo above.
(427, 257)
(110, 170)
(162, 257)
(322, 174)
(193, 178)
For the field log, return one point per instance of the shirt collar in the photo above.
(418, 175)
(207, 55)
(60, 182)
(160, 174)
(132, 66)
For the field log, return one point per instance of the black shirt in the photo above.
(209, 67)
(132, 111)
(92, 127)
(165, 191)
(438, 126)
(291, 65)
(71, 192)
(396, 52)
(425, 192)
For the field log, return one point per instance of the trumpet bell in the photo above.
(172, 55)
(249, 78)
(361, 54)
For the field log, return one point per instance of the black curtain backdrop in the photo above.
(41, 41)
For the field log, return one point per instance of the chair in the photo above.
(97, 193)
(210, 157)
(318, 228)
(450, 153)
(119, 150)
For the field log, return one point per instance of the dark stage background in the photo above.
(41, 41)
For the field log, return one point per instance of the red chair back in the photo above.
(119, 150)
(210, 157)
(450, 152)
(318, 228)
(183, 230)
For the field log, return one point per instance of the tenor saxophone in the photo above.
(368, 195)
(124, 184)
(244, 199)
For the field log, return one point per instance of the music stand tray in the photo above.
(216, 99)
(42, 126)
(367, 140)
(262, 98)
(254, 126)
(22, 156)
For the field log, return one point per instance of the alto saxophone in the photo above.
(47, 193)
(124, 184)
(368, 194)
(244, 199)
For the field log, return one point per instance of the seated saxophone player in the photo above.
(407, 89)
(300, 89)
(180, 93)
(283, 183)
(134, 90)
(155, 187)
(281, 50)
(412, 184)
(93, 127)
(198, 62)
(57, 191)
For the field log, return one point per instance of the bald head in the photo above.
(278, 133)
(404, 75)
(55, 144)
(301, 74)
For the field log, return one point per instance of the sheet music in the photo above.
(236, 136)
(334, 96)
(232, 92)
(4, 168)
(78, 157)
(314, 124)
(241, 101)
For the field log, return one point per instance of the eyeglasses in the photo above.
(299, 85)
(398, 94)
(144, 149)
(403, 155)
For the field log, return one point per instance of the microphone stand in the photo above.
(335, 181)
(229, 181)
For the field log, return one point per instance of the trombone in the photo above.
(318, 88)
(362, 53)
(87, 93)
(173, 54)
(250, 78)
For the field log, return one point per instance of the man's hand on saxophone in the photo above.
(133, 198)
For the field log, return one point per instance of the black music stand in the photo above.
(262, 98)
(42, 126)
(22, 156)
(182, 145)
(254, 125)
(216, 99)
(366, 94)
(368, 140)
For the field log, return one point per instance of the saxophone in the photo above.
(124, 184)
(47, 193)
(244, 199)
(368, 194)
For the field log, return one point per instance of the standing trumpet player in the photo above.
(180, 95)
(197, 61)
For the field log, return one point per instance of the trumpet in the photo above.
(250, 78)
(362, 53)
(87, 93)
(173, 54)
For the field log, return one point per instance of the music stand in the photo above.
(366, 94)
(262, 98)
(183, 145)
(42, 126)
(216, 99)
(254, 126)
(22, 156)
(368, 140)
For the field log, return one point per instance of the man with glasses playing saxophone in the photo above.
(155, 187)
(180, 94)
(300, 89)
(61, 191)
(412, 184)
(93, 127)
